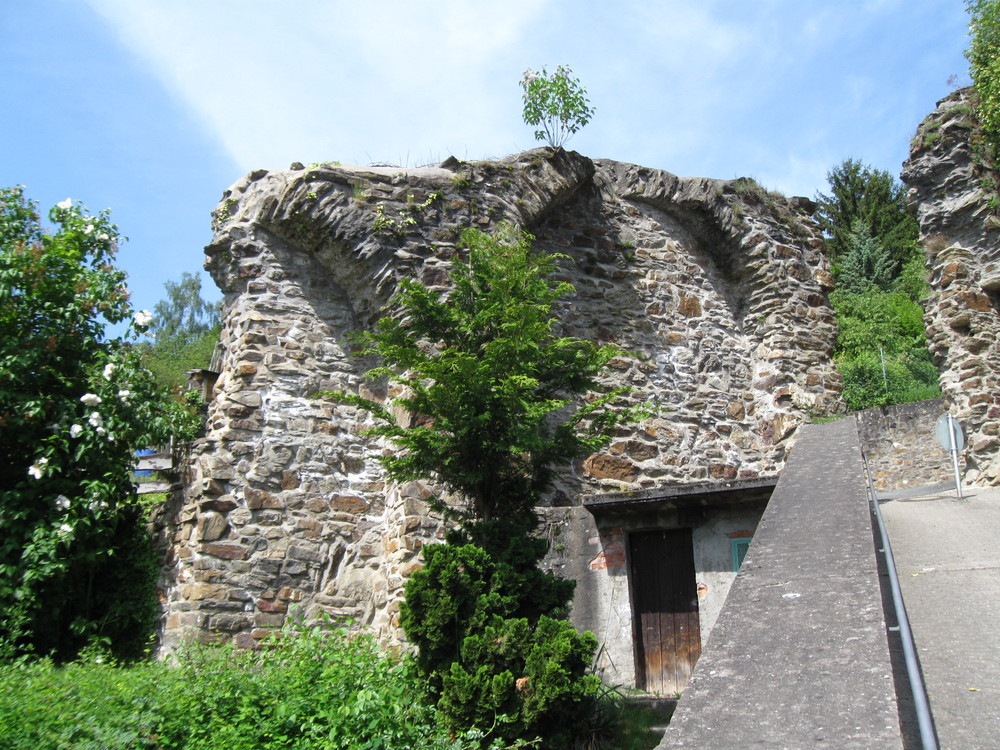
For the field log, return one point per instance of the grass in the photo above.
(316, 688)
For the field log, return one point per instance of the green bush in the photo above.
(491, 645)
(463, 585)
(317, 689)
(516, 679)
(75, 403)
(170, 359)
(882, 348)
(880, 379)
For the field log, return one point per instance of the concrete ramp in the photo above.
(799, 656)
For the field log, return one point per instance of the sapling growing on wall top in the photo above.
(557, 102)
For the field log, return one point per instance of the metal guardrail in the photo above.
(921, 705)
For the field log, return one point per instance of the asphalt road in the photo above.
(948, 559)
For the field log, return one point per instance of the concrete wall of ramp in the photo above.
(799, 656)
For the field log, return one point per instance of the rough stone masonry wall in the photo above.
(955, 198)
(717, 287)
(900, 445)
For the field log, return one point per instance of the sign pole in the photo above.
(952, 430)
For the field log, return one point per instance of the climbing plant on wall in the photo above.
(984, 62)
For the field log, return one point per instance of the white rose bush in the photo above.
(76, 564)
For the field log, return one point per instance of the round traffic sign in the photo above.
(950, 433)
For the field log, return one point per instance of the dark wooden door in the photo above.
(665, 609)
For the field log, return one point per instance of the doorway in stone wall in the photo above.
(667, 633)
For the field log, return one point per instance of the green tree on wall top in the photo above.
(557, 101)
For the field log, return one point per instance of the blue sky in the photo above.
(153, 108)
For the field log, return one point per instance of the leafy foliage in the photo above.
(516, 679)
(185, 330)
(492, 646)
(489, 387)
(984, 61)
(311, 688)
(557, 102)
(74, 404)
(873, 197)
(882, 349)
(868, 264)
(170, 359)
(183, 316)
(876, 378)
(879, 268)
(491, 393)
(464, 584)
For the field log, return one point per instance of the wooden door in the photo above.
(665, 609)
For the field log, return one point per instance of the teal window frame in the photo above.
(738, 548)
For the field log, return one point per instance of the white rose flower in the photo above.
(101, 431)
(123, 394)
(109, 370)
(103, 236)
(64, 529)
(37, 469)
(90, 399)
(75, 431)
(68, 203)
(62, 502)
(88, 229)
(143, 318)
(95, 419)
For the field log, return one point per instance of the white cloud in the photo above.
(766, 88)
(333, 80)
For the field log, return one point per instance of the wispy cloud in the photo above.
(331, 79)
(716, 88)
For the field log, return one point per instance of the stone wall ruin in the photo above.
(717, 287)
(955, 194)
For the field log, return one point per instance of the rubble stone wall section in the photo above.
(901, 446)
(956, 198)
(717, 288)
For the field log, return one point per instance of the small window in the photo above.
(739, 548)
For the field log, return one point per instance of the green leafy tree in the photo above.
(874, 197)
(984, 61)
(879, 267)
(183, 316)
(74, 404)
(867, 264)
(882, 349)
(185, 329)
(557, 102)
(492, 402)
(491, 390)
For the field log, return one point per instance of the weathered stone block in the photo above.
(257, 499)
(211, 526)
(225, 551)
(603, 466)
